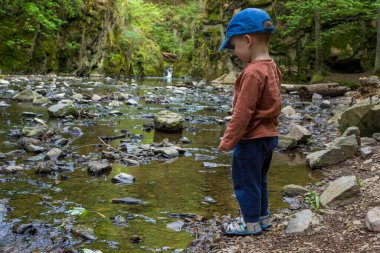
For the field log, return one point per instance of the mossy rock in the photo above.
(169, 122)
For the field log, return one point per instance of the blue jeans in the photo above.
(250, 165)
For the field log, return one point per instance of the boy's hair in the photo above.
(265, 36)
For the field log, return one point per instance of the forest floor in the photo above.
(340, 230)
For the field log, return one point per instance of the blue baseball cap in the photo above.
(247, 21)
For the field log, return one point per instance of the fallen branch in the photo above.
(117, 151)
(88, 145)
(111, 138)
(324, 89)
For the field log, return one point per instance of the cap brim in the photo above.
(226, 44)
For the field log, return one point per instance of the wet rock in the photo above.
(4, 82)
(3, 104)
(200, 157)
(176, 226)
(76, 131)
(36, 131)
(54, 154)
(119, 220)
(376, 136)
(227, 118)
(25, 229)
(44, 168)
(35, 149)
(338, 151)
(99, 168)
(365, 141)
(288, 111)
(13, 169)
(83, 232)
(294, 204)
(353, 130)
(109, 155)
(131, 102)
(135, 239)
(214, 165)
(3, 208)
(292, 190)
(40, 100)
(316, 99)
(115, 112)
(325, 104)
(128, 201)
(123, 178)
(62, 110)
(26, 95)
(24, 142)
(342, 191)
(287, 142)
(373, 219)
(77, 97)
(366, 152)
(185, 140)
(300, 222)
(364, 114)
(166, 121)
(96, 98)
(168, 152)
(299, 133)
(16, 153)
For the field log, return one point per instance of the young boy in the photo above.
(252, 132)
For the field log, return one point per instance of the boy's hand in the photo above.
(222, 148)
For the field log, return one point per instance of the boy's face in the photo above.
(242, 47)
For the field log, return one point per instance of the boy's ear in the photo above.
(248, 39)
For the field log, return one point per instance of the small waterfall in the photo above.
(169, 74)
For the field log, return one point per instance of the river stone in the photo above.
(365, 152)
(365, 141)
(292, 190)
(200, 157)
(13, 169)
(128, 201)
(2, 156)
(123, 178)
(40, 100)
(364, 114)
(96, 97)
(35, 149)
(83, 232)
(316, 99)
(36, 131)
(62, 110)
(337, 151)
(109, 155)
(376, 136)
(299, 133)
(114, 104)
(54, 154)
(342, 191)
(373, 219)
(176, 226)
(98, 168)
(300, 222)
(184, 140)
(353, 130)
(24, 142)
(287, 142)
(325, 104)
(131, 102)
(3, 208)
(44, 168)
(77, 97)
(26, 95)
(166, 121)
(16, 153)
(288, 111)
(168, 152)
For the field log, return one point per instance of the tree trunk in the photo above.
(318, 44)
(377, 63)
(324, 89)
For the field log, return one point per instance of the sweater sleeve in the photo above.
(242, 112)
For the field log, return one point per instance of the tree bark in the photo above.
(318, 44)
(377, 62)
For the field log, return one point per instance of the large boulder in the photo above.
(26, 95)
(338, 151)
(170, 122)
(342, 191)
(364, 115)
(62, 110)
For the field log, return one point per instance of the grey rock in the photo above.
(368, 161)
(24, 142)
(26, 95)
(353, 130)
(166, 121)
(373, 219)
(2, 156)
(98, 168)
(16, 153)
(367, 141)
(83, 232)
(44, 168)
(365, 152)
(200, 157)
(342, 191)
(325, 104)
(294, 204)
(299, 133)
(35, 149)
(168, 152)
(376, 136)
(316, 99)
(185, 140)
(287, 142)
(36, 131)
(131, 102)
(288, 111)
(209, 199)
(40, 100)
(54, 154)
(3, 208)
(300, 222)
(13, 169)
(109, 155)
(292, 190)
(123, 178)
(338, 151)
(62, 110)
(128, 201)
(176, 226)
(214, 165)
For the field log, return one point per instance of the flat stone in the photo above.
(123, 178)
(299, 133)
(367, 141)
(26, 95)
(62, 110)
(209, 199)
(168, 152)
(13, 169)
(365, 152)
(288, 111)
(35, 149)
(128, 201)
(200, 157)
(373, 219)
(98, 168)
(342, 191)
(292, 190)
(176, 226)
(300, 222)
(214, 165)
(353, 130)
(54, 154)
(83, 232)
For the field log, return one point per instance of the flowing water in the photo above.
(177, 186)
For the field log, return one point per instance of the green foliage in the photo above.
(313, 199)
(359, 182)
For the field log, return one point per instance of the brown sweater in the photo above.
(256, 105)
